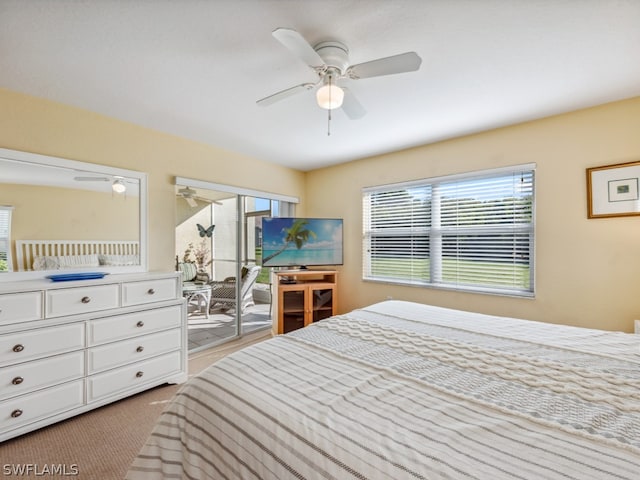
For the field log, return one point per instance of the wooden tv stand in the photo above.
(303, 297)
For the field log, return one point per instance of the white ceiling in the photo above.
(195, 68)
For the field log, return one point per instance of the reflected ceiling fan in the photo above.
(192, 197)
(330, 61)
(117, 185)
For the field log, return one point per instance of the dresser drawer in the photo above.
(19, 411)
(132, 376)
(42, 342)
(20, 307)
(137, 293)
(29, 376)
(69, 301)
(133, 324)
(128, 351)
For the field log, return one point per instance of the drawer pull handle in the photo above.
(139, 349)
(85, 299)
(151, 291)
(16, 413)
(139, 374)
(17, 380)
(140, 324)
(18, 348)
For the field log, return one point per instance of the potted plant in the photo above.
(201, 256)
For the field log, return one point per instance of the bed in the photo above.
(403, 390)
(65, 254)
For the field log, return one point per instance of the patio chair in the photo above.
(223, 294)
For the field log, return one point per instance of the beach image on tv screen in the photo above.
(301, 241)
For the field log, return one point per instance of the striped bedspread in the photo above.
(400, 390)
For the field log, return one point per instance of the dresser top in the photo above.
(46, 284)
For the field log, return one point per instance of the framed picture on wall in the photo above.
(613, 190)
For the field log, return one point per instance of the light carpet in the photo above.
(102, 443)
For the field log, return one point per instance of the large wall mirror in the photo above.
(63, 216)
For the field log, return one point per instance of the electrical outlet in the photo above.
(636, 326)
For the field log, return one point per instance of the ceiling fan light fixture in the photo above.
(330, 96)
(118, 186)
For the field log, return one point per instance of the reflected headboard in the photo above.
(109, 252)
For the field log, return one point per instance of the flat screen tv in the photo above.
(301, 242)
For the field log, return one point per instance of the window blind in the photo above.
(469, 232)
(5, 235)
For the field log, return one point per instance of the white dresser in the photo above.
(69, 347)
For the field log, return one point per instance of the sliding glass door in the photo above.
(206, 253)
(218, 249)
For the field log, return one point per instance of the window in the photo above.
(5, 238)
(470, 232)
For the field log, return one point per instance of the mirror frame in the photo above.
(51, 161)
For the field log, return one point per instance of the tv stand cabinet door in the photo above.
(311, 298)
(320, 302)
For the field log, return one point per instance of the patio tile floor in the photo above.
(220, 327)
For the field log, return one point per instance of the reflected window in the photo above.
(5, 239)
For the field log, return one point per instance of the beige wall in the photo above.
(587, 271)
(39, 126)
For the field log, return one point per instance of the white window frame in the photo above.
(425, 230)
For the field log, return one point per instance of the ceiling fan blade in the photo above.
(276, 97)
(91, 179)
(404, 62)
(208, 200)
(351, 106)
(298, 46)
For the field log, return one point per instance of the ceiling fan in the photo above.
(330, 61)
(192, 197)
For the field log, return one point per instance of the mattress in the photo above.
(403, 390)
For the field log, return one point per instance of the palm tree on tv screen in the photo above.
(296, 234)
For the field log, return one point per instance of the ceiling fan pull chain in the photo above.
(329, 110)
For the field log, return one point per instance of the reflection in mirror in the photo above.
(69, 215)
